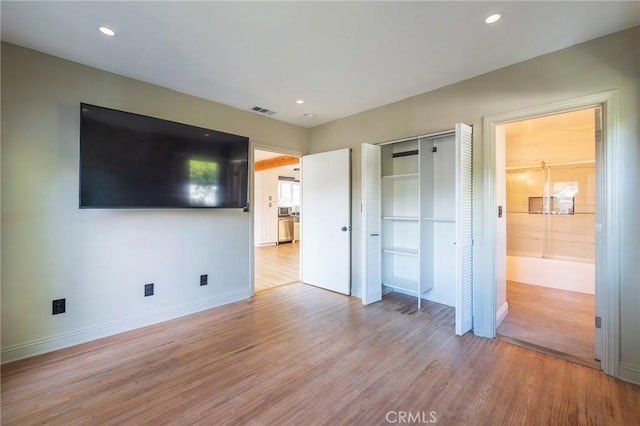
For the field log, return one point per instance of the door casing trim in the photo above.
(607, 240)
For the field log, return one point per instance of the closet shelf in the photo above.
(408, 218)
(440, 219)
(401, 176)
(402, 251)
(403, 286)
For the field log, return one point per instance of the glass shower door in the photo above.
(551, 212)
(571, 218)
(526, 225)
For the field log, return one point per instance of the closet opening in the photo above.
(418, 220)
(546, 173)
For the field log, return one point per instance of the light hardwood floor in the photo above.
(300, 355)
(276, 265)
(557, 321)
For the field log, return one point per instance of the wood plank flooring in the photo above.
(299, 355)
(276, 265)
(559, 321)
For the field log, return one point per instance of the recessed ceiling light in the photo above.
(493, 18)
(107, 31)
(300, 101)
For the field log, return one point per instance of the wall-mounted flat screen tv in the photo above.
(133, 161)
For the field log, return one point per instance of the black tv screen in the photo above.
(133, 161)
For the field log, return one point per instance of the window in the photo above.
(288, 194)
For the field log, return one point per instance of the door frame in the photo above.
(253, 146)
(607, 284)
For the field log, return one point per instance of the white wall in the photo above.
(606, 63)
(99, 260)
(443, 199)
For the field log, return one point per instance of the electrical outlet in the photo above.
(204, 279)
(148, 290)
(59, 306)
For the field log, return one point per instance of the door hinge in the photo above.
(598, 322)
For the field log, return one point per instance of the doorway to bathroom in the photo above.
(546, 174)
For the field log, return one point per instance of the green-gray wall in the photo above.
(603, 64)
(99, 259)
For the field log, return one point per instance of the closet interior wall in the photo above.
(418, 218)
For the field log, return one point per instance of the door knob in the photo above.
(345, 228)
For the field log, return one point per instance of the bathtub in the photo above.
(560, 274)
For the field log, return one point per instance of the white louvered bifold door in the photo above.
(464, 228)
(371, 224)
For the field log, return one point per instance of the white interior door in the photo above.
(371, 224)
(464, 228)
(325, 240)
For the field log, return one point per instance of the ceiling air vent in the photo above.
(262, 110)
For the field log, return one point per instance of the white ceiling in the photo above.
(340, 57)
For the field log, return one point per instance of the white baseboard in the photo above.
(438, 298)
(501, 314)
(630, 373)
(61, 341)
(386, 289)
(425, 296)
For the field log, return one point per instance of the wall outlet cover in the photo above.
(148, 290)
(204, 279)
(59, 306)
